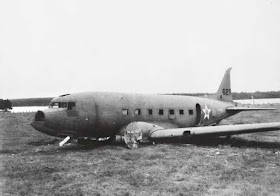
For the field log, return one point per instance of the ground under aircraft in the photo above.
(138, 117)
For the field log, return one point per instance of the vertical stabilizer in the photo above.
(224, 92)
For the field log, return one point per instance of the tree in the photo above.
(5, 105)
(1, 104)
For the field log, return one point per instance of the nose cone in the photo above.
(39, 124)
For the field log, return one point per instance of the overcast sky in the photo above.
(48, 48)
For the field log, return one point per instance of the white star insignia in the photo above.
(206, 112)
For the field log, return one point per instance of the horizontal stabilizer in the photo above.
(240, 109)
(222, 130)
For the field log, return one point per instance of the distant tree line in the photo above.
(256, 95)
(32, 101)
(242, 95)
(5, 105)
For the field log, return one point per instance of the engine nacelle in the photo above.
(136, 131)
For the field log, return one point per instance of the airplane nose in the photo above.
(39, 120)
(39, 124)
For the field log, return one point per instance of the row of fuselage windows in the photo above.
(71, 105)
(68, 105)
(159, 112)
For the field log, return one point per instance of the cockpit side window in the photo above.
(71, 105)
(62, 104)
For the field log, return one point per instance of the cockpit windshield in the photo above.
(58, 105)
(68, 105)
(53, 105)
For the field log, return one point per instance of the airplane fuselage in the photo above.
(139, 117)
(104, 114)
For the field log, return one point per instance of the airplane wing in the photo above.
(222, 130)
(136, 131)
(240, 109)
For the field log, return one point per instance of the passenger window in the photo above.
(181, 112)
(71, 105)
(160, 111)
(191, 112)
(138, 112)
(171, 112)
(150, 111)
(125, 111)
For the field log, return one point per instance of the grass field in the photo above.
(33, 164)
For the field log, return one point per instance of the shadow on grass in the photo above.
(9, 151)
(93, 145)
(241, 142)
(43, 142)
(216, 141)
(198, 141)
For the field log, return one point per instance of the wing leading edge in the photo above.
(222, 130)
(240, 109)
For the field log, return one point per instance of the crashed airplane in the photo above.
(133, 118)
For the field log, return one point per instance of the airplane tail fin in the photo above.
(224, 91)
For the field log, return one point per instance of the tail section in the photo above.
(224, 92)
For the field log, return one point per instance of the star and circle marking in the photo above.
(206, 111)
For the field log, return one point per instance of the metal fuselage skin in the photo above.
(104, 114)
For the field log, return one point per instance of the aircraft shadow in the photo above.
(199, 141)
(93, 145)
(233, 142)
(42, 142)
(205, 142)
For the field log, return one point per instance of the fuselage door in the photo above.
(198, 115)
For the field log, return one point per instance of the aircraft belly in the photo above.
(104, 130)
